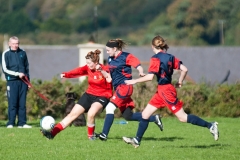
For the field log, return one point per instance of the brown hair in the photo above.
(118, 43)
(159, 43)
(94, 56)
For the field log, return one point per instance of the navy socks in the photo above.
(137, 116)
(142, 127)
(108, 123)
(195, 120)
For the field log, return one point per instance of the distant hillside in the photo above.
(181, 22)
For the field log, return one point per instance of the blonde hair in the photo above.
(94, 56)
(159, 43)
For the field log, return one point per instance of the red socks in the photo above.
(57, 128)
(91, 129)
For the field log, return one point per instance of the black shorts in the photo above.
(87, 100)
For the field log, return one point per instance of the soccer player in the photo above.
(93, 100)
(120, 64)
(162, 65)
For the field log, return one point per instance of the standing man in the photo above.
(15, 66)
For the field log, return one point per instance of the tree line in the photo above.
(182, 22)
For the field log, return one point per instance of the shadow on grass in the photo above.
(168, 139)
(206, 146)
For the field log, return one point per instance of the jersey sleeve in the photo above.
(132, 61)
(154, 65)
(77, 72)
(177, 63)
(105, 68)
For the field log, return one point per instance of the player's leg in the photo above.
(137, 116)
(95, 108)
(173, 104)
(110, 108)
(76, 111)
(83, 105)
(195, 120)
(142, 127)
(118, 100)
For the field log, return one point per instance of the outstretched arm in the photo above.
(147, 77)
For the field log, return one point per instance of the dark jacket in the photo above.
(13, 63)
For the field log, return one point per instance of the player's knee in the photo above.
(127, 114)
(110, 108)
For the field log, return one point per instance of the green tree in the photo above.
(56, 25)
(16, 23)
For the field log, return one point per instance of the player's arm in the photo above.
(105, 74)
(147, 77)
(140, 70)
(134, 61)
(77, 72)
(183, 74)
(178, 65)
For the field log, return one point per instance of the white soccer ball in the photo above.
(47, 123)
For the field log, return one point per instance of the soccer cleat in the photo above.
(46, 134)
(102, 136)
(158, 122)
(92, 138)
(96, 135)
(214, 130)
(132, 141)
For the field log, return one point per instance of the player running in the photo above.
(120, 64)
(162, 65)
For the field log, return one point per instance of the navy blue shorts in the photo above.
(87, 100)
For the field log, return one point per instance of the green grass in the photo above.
(180, 141)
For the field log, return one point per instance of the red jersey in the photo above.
(97, 84)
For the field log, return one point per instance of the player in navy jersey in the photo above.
(93, 100)
(162, 65)
(120, 64)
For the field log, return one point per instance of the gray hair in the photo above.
(13, 37)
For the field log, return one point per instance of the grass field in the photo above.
(178, 141)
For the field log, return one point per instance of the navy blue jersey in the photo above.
(120, 67)
(162, 65)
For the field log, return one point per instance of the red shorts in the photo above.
(122, 97)
(166, 95)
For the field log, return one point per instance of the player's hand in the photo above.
(62, 75)
(142, 74)
(98, 67)
(129, 82)
(178, 85)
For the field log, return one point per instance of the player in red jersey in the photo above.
(93, 100)
(162, 65)
(120, 64)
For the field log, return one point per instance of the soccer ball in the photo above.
(47, 123)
